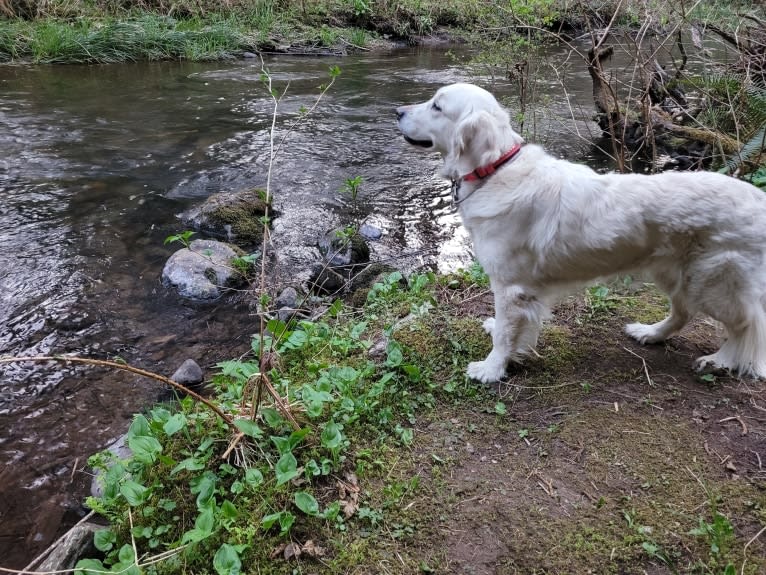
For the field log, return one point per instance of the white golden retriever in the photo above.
(541, 226)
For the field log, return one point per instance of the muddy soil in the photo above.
(605, 457)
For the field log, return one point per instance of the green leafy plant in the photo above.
(182, 237)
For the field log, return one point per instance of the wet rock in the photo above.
(370, 232)
(233, 216)
(341, 250)
(325, 280)
(190, 374)
(288, 298)
(287, 304)
(370, 275)
(119, 448)
(203, 270)
(249, 55)
(75, 544)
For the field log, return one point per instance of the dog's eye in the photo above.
(436, 107)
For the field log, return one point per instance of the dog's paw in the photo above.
(485, 371)
(711, 364)
(489, 325)
(643, 333)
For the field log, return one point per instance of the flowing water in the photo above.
(96, 163)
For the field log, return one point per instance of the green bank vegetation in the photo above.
(352, 443)
(101, 31)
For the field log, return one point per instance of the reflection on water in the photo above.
(96, 163)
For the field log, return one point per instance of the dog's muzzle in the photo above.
(400, 114)
(420, 143)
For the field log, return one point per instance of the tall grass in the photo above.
(149, 37)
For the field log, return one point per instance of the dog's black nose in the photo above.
(399, 113)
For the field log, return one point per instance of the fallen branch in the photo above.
(123, 367)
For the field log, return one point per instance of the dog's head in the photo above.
(464, 123)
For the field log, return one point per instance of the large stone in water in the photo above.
(203, 271)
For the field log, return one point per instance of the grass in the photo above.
(375, 454)
(79, 31)
(149, 37)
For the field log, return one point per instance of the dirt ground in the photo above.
(605, 457)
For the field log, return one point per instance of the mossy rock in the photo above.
(234, 216)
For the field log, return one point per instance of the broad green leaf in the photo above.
(285, 519)
(249, 428)
(205, 521)
(253, 477)
(188, 464)
(296, 340)
(174, 424)
(272, 417)
(89, 566)
(145, 448)
(228, 510)
(307, 503)
(226, 560)
(332, 437)
(270, 520)
(357, 330)
(126, 554)
(286, 468)
(134, 493)
(285, 444)
(335, 308)
(104, 539)
(139, 427)
(206, 490)
(239, 369)
(160, 414)
(394, 354)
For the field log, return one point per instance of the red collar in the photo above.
(483, 171)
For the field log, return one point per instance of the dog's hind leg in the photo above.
(729, 288)
(514, 332)
(744, 351)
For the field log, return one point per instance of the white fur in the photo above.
(541, 226)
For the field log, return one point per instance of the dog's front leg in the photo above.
(514, 331)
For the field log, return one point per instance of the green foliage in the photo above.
(351, 187)
(719, 535)
(183, 237)
(758, 177)
(178, 492)
(599, 300)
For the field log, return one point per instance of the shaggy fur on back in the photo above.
(541, 226)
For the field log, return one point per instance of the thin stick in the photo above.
(37, 560)
(123, 367)
(735, 418)
(646, 369)
(744, 551)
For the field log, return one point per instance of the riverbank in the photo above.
(82, 32)
(368, 451)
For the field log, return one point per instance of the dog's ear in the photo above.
(476, 142)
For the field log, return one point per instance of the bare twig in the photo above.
(735, 418)
(744, 550)
(123, 367)
(646, 369)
